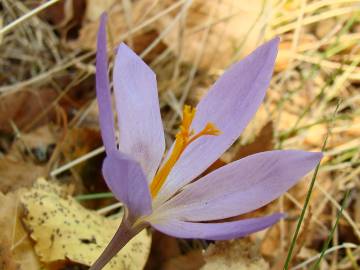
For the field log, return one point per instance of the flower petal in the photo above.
(215, 231)
(141, 130)
(230, 104)
(106, 117)
(240, 186)
(127, 181)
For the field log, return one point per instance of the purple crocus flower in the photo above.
(160, 191)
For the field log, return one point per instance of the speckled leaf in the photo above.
(63, 229)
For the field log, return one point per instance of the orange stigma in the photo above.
(184, 137)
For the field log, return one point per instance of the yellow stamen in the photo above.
(183, 138)
(209, 129)
(188, 116)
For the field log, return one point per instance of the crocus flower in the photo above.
(160, 190)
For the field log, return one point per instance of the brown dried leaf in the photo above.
(24, 106)
(263, 142)
(257, 123)
(26, 160)
(35, 146)
(192, 260)
(78, 142)
(1, 25)
(163, 248)
(66, 16)
(117, 27)
(16, 174)
(166, 255)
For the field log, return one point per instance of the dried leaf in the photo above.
(192, 260)
(94, 8)
(263, 142)
(16, 249)
(1, 25)
(117, 23)
(260, 119)
(233, 26)
(78, 142)
(163, 248)
(87, 34)
(66, 16)
(237, 255)
(24, 107)
(16, 174)
(35, 146)
(63, 229)
(26, 159)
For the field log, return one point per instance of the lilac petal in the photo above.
(215, 231)
(141, 130)
(240, 186)
(230, 104)
(127, 181)
(106, 117)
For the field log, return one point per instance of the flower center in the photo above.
(184, 137)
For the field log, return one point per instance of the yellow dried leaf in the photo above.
(63, 229)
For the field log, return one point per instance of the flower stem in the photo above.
(122, 236)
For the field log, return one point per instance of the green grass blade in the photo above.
(331, 234)
(306, 203)
(302, 215)
(94, 196)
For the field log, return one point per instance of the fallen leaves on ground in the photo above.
(26, 159)
(216, 30)
(35, 146)
(64, 230)
(87, 176)
(16, 248)
(262, 142)
(16, 174)
(192, 260)
(66, 16)
(234, 255)
(163, 248)
(22, 108)
(120, 26)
